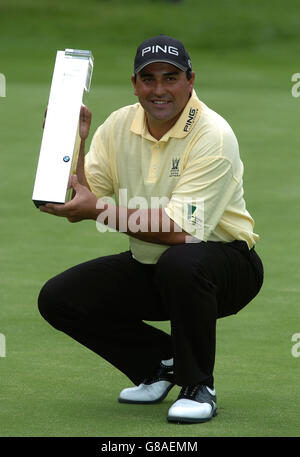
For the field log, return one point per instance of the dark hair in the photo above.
(188, 75)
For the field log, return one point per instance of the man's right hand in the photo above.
(84, 122)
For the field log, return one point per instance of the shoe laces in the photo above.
(190, 391)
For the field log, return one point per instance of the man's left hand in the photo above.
(82, 206)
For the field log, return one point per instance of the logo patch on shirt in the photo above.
(174, 170)
(195, 214)
(191, 119)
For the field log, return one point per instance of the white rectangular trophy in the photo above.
(60, 142)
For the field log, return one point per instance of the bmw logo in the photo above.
(66, 159)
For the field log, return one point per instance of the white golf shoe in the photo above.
(152, 390)
(194, 404)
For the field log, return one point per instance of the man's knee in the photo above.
(180, 262)
(172, 265)
(184, 269)
(179, 273)
(47, 302)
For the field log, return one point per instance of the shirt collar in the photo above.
(182, 128)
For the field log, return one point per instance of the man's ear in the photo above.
(133, 80)
(191, 81)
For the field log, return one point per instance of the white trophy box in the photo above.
(60, 142)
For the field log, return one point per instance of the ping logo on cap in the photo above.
(156, 48)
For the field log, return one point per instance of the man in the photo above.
(191, 258)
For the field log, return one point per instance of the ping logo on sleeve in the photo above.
(191, 119)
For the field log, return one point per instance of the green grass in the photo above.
(244, 58)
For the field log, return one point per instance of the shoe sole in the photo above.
(189, 420)
(153, 402)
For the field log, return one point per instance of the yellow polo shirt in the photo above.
(194, 172)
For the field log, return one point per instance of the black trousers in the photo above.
(103, 304)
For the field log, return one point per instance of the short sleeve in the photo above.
(207, 184)
(201, 196)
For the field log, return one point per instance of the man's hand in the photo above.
(84, 122)
(82, 206)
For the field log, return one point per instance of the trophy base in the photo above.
(69, 196)
(39, 203)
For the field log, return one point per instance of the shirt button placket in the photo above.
(154, 162)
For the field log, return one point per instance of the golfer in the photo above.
(173, 167)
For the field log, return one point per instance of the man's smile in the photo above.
(160, 102)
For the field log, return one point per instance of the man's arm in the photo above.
(84, 128)
(151, 225)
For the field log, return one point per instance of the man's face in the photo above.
(163, 91)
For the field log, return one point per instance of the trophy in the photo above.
(61, 142)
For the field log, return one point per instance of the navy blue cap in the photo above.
(162, 48)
